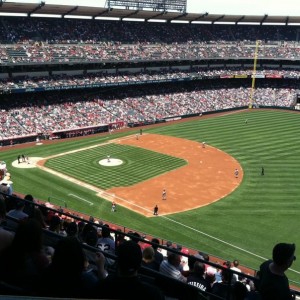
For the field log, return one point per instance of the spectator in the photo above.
(65, 276)
(23, 262)
(170, 266)
(223, 288)
(106, 244)
(55, 225)
(273, 283)
(235, 268)
(16, 214)
(158, 256)
(148, 260)
(32, 211)
(196, 275)
(126, 284)
(72, 229)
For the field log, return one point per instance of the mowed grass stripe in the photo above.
(139, 165)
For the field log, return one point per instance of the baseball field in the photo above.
(207, 206)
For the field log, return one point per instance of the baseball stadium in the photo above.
(184, 130)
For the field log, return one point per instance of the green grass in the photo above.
(246, 224)
(138, 165)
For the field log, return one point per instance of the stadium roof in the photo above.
(31, 9)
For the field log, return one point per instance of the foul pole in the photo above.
(254, 74)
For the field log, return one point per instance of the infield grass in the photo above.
(245, 225)
(138, 165)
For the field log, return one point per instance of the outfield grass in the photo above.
(246, 224)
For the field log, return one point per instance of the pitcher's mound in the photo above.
(112, 162)
(27, 164)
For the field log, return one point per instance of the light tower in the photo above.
(254, 74)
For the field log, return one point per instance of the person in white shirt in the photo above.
(235, 268)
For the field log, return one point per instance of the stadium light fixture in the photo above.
(201, 22)
(108, 18)
(133, 20)
(13, 14)
(44, 16)
(225, 23)
(273, 24)
(78, 17)
(248, 23)
(179, 22)
(156, 21)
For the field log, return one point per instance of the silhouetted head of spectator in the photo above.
(236, 263)
(129, 258)
(80, 226)
(199, 268)
(225, 276)
(227, 264)
(173, 258)
(105, 231)
(156, 242)
(169, 244)
(135, 237)
(284, 254)
(179, 247)
(148, 254)
(29, 208)
(20, 204)
(55, 223)
(68, 257)
(89, 235)
(72, 229)
(192, 259)
(29, 197)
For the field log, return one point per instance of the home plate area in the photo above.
(28, 163)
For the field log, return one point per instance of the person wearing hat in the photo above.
(273, 283)
(126, 284)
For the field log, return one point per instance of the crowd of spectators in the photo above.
(36, 40)
(49, 112)
(53, 254)
(49, 53)
(57, 31)
(103, 78)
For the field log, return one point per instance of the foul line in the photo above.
(221, 241)
(75, 196)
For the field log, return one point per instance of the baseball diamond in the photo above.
(225, 228)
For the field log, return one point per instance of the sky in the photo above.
(235, 7)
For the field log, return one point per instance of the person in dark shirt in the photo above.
(196, 277)
(158, 256)
(273, 283)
